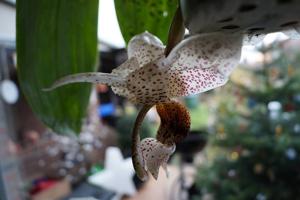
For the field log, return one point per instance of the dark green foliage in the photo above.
(137, 16)
(56, 38)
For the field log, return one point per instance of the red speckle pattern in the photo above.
(217, 50)
(194, 81)
(154, 154)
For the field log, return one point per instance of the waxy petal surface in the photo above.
(146, 48)
(202, 62)
(154, 155)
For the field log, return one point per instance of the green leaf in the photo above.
(56, 38)
(137, 16)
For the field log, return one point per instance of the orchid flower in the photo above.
(197, 64)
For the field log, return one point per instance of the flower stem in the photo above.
(136, 159)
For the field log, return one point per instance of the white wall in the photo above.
(7, 22)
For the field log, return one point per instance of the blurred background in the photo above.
(243, 145)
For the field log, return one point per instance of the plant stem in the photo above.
(139, 169)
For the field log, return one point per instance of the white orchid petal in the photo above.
(146, 48)
(123, 71)
(194, 81)
(127, 67)
(208, 50)
(140, 165)
(89, 77)
(155, 154)
(116, 79)
(204, 62)
(148, 84)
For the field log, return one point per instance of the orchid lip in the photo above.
(154, 155)
(150, 154)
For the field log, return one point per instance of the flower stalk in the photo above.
(136, 159)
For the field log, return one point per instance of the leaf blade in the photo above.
(137, 16)
(56, 38)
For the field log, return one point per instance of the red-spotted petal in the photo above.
(155, 154)
(123, 71)
(146, 48)
(194, 81)
(148, 84)
(202, 62)
(217, 50)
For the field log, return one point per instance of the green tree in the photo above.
(257, 133)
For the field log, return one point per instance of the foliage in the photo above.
(56, 38)
(257, 136)
(199, 117)
(137, 16)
